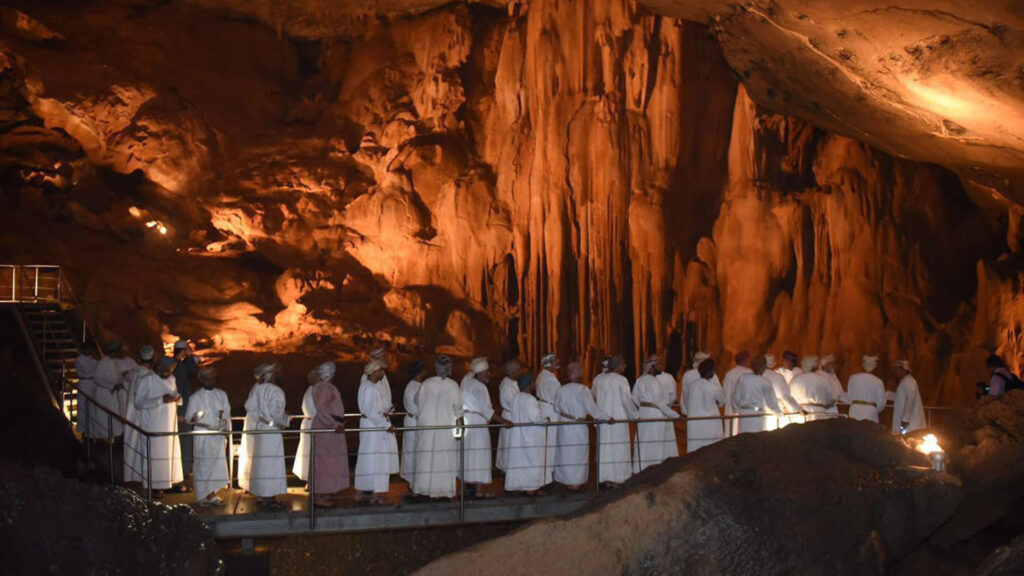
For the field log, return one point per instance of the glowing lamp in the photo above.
(929, 446)
(135, 212)
(162, 229)
(151, 223)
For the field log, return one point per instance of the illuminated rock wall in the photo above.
(583, 177)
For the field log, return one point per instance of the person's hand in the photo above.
(169, 399)
(611, 420)
(391, 429)
(340, 428)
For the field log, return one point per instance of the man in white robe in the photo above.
(373, 465)
(157, 402)
(384, 387)
(755, 400)
(300, 466)
(109, 377)
(907, 407)
(866, 392)
(828, 365)
(133, 462)
(85, 368)
(691, 376)
(729, 381)
(547, 389)
(526, 452)
(209, 413)
(613, 398)
(782, 394)
(417, 373)
(261, 469)
(477, 411)
(437, 451)
(574, 402)
(507, 391)
(789, 368)
(600, 378)
(655, 441)
(812, 390)
(704, 396)
(668, 382)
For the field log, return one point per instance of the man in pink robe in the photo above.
(330, 451)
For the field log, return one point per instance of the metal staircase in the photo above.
(42, 300)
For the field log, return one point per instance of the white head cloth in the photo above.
(264, 371)
(826, 360)
(869, 363)
(549, 361)
(326, 371)
(479, 365)
(443, 366)
(700, 357)
(372, 366)
(147, 353)
(651, 362)
(809, 363)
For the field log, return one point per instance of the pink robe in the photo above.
(330, 452)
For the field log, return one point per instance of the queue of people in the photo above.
(753, 396)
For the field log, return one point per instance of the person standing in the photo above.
(209, 413)
(330, 451)
(437, 452)
(184, 371)
(507, 391)
(384, 388)
(85, 367)
(476, 405)
(704, 397)
(300, 466)
(653, 439)
(866, 392)
(373, 468)
(133, 462)
(813, 391)
(613, 399)
(547, 389)
(907, 410)
(827, 367)
(109, 379)
(261, 469)
(755, 400)
(789, 368)
(691, 376)
(1001, 377)
(157, 402)
(788, 404)
(574, 403)
(417, 373)
(526, 450)
(732, 377)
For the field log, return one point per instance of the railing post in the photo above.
(462, 476)
(149, 467)
(597, 459)
(110, 444)
(35, 289)
(309, 474)
(60, 278)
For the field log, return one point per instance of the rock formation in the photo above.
(586, 177)
(756, 504)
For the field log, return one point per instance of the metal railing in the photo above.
(593, 443)
(39, 283)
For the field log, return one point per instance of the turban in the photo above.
(181, 344)
(574, 371)
(809, 363)
(869, 362)
(651, 362)
(479, 365)
(147, 353)
(165, 363)
(742, 357)
(511, 367)
(549, 361)
(903, 364)
(828, 359)
(415, 368)
(372, 366)
(700, 357)
(326, 371)
(769, 361)
(207, 375)
(443, 366)
(265, 370)
(112, 347)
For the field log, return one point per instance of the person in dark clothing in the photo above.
(185, 369)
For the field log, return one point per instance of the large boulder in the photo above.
(54, 525)
(837, 497)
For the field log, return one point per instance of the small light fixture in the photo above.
(930, 446)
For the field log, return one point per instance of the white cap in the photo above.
(869, 363)
(479, 365)
(549, 361)
(700, 357)
(809, 363)
(828, 359)
(326, 371)
(265, 370)
(372, 366)
(147, 353)
(650, 363)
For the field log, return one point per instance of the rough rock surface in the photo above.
(840, 494)
(55, 525)
(584, 177)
